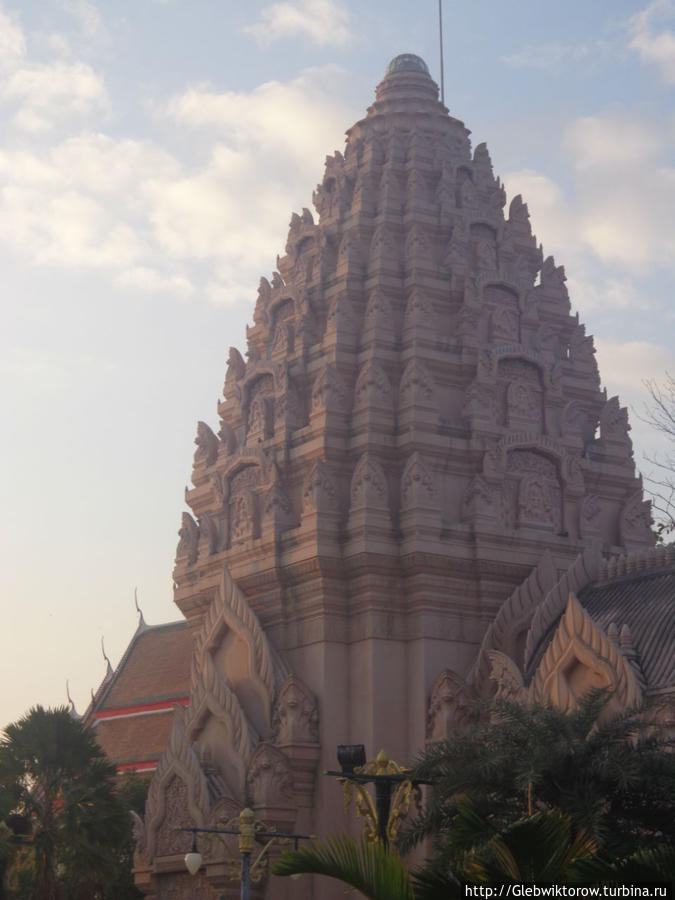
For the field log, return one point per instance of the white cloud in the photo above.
(612, 141)
(325, 22)
(625, 366)
(66, 228)
(621, 203)
(151, 281)
(12, 42)
(49, 92)
(550, 213)
(302, 118)
(654, 46)
(129, 206)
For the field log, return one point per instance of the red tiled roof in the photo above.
(155, 667)
(134, 738)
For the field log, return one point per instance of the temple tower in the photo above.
(418, 420)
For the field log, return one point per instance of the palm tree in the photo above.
(53, 773)
(533, 795)
(612, 777)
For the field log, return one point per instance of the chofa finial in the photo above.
(141, 619)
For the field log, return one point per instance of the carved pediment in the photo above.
(580, 658)
(583, 570)
(230, 612)
(178, 789)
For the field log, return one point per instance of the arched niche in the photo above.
(260, 407)
(503, 308)
(484, 246)
(520, 394)
(532, 491)
(243, 502)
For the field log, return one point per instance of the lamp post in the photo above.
(394, 789)
(248, 831)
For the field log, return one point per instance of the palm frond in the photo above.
(368, 868)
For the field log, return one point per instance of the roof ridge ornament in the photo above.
(109, 671)
(73, 712)
(142, 624)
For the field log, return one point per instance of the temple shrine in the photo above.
(417, 494)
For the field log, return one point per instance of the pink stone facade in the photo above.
(417, 425)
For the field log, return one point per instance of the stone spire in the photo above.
(418, 420)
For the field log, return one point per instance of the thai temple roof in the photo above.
(638, 609)
(132, 712)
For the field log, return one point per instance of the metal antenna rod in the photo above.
(440, 37)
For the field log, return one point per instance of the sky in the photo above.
(151, 155)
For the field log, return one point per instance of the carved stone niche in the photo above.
(373, 397)
(260, 409)
(369, 513)
(340, 321)
(269, 780)
(378, 316)
(479, 404)
(532, 492)
(369, 486)
(523, 407)
(277, 512)
(244, 514)
(590, 516)
(295, 724)
(519, 387)
(329, 393)
(283, 331)
(417, 401)
(420, 502)
(480, 501)
(452, 707)
(505, 315)
(296, 714)
(320, 494)
(419, 317)
(484, 247)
